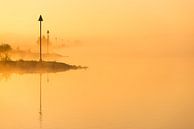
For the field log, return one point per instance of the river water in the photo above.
(115, 92)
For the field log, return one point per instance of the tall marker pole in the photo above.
(40, 19)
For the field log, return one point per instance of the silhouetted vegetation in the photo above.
(4, 52)
(22, 66)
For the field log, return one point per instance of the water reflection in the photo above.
(134, 94)
(40, 111)
(7, 69)
(4, 76)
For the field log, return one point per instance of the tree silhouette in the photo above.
(4, 52)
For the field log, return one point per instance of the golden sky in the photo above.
(152, 23)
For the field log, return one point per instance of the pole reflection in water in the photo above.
(40, 97)
(47, 77)
(40, 110)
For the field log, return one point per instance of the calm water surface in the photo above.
(116, 92)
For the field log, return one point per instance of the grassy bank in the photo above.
(35, 66)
